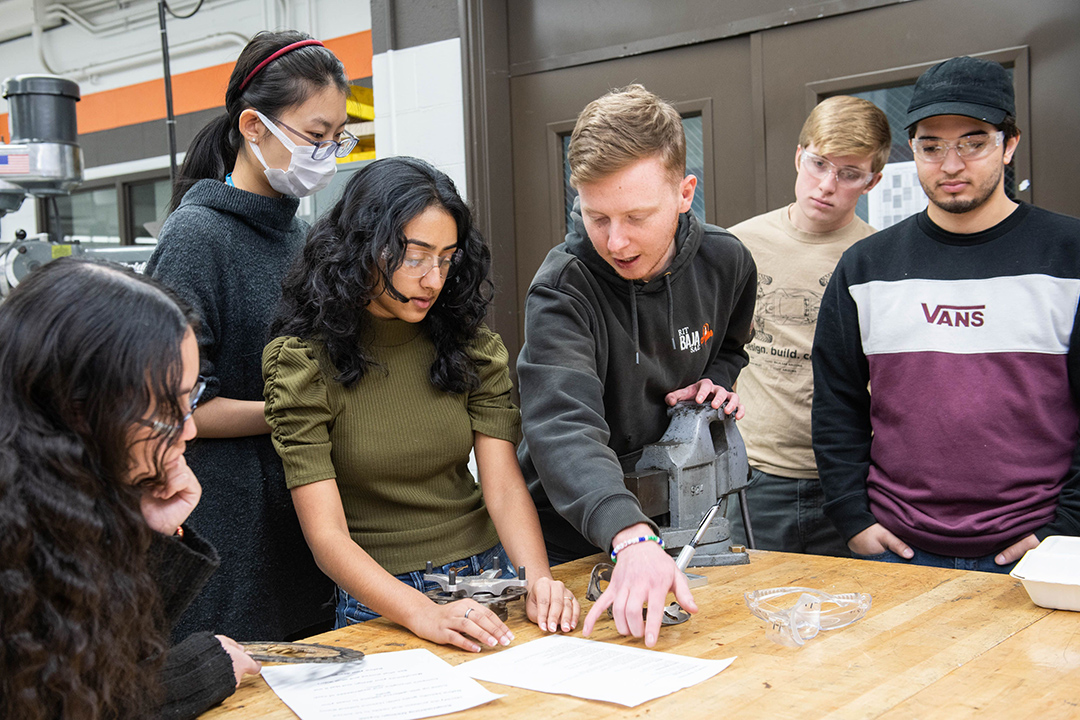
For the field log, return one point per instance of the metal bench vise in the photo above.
(700, 460)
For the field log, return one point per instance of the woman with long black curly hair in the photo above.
(381, 381)
(98, 378)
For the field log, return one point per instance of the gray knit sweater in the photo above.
(226, 251)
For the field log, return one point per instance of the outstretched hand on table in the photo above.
(643, 576)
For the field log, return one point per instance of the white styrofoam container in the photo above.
(1051, 573)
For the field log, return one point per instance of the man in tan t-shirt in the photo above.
(842, 148)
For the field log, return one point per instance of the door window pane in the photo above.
(899, 194)
(695, 161)
(149, 201)
(695, 165)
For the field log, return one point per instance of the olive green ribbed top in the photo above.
(397, 446)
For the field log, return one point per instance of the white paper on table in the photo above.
(593, 670)
(399, 685)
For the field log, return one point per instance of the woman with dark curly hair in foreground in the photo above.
(381, 381)
(98, 377)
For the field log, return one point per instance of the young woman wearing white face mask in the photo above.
(225, 248)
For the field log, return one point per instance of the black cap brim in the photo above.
(991, 115)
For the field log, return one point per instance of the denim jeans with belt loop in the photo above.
(351, 611)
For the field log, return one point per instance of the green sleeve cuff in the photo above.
(298, 411)
(491, 409)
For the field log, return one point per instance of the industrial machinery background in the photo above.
(44, 160)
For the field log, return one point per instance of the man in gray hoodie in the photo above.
(641, 307)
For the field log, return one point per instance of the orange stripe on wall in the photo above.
(193, 91)
(144, 102)
(354, 51)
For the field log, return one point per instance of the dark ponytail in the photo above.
(285, 82)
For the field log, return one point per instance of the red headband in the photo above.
(275, 56)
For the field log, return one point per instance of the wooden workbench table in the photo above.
(935, 644)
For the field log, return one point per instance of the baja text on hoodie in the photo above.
(600, 354)
(965, 440)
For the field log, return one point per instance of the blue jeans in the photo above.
(351, 611)
(786, 515)
(981, 564)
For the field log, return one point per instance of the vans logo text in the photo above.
(955, 315)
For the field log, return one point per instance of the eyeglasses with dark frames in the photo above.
(324, 148)
(164, 428)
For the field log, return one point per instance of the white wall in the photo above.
(419, 107)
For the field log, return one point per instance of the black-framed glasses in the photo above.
(969, 147)
(821, 168)
(164, 428)
(324, 148)
(417, 264)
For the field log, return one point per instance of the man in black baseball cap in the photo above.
(970, 102)
(963, 320)
(980, 89)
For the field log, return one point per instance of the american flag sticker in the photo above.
(15, 163)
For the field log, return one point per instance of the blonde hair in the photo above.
(621, 128)
(845, 125)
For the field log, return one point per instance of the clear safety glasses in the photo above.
(821, 168)
(798, 614)
(418, 264)
(969, 147)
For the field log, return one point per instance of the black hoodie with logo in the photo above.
(600, 354)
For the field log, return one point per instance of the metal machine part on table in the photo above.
(683, 482)
(290, 652)
(486, 588)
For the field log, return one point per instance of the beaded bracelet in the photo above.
(634, 541)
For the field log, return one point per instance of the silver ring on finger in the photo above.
(467, 611)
